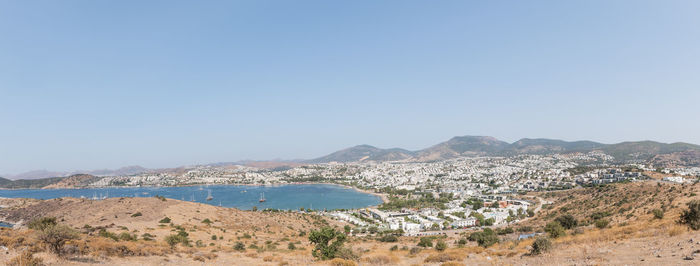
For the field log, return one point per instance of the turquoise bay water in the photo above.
(286, 197)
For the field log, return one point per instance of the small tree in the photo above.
(530, 213)
(554, 229)
(441, 245)
(389, 238)
(485, 238)
(691, 216)
(541, 245)
(55, 236)
(346, 228)
(425, 242)
(567, 221)
(328, 242)
(601, 223)
(40, 224)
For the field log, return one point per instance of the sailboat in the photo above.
(262, 197)
(209, 197)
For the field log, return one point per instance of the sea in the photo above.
(244, 197)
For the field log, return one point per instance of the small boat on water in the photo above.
(262, 197)
(210, 197)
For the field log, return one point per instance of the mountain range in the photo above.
(656, 153)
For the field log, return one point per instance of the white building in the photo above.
(469, 222)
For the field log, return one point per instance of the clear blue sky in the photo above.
(104, 84)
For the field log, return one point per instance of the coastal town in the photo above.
(423, 198)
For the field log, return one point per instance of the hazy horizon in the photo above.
(90, 85)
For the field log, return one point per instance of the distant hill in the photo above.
(39, 174)
(364, 153)
(73, 181)
(461, 146)
(29, 183)
(552, 146)
(661, 154)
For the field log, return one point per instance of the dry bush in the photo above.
(341, 262)
(472, 249)
(675, 230)
(15, 238)
(452, 263)
(445, 257)
(381, 259)
(201, 256)
(100, 246)
(26, 258)
(268, 258)
(251, 255)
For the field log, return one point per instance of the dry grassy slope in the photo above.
(625, 202)
(633, 240)
(116, 214)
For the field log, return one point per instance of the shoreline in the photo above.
(383, 198)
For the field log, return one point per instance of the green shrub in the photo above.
(239, 246)
(164, 220)
(124, 236)
(601, 223)
(658, 213)
(108, 234)
(394, 248)
(41, 223)
(541, 245)
(175, 239)
(691, 216)
(554, 229)
(425, 242)
(136, 214)
(207, 221)
(147, 237)
(441, 245)
(389, 238)
(291, 246)
(567, 221)
(484, 238)
(328, 241)
(525, 229)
